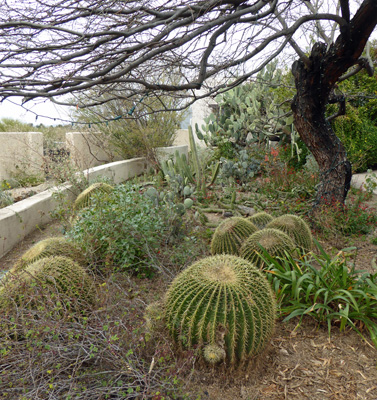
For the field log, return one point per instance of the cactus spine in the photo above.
(221, 300)
(260, 219)
(230, 234)
(275, 242)
(296, 228)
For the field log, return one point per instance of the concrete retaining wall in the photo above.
(20, 219)
(89, 150)
(20, 151)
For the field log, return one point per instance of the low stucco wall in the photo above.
(89, 150)
(21, 151)
(20, 219)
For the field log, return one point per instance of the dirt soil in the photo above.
(300, 363)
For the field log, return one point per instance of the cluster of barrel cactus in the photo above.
(246, 236)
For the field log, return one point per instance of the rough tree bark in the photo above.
(315, 79)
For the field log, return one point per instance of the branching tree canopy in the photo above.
(52, 49)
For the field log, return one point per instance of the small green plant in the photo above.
(329, 290)
(296, 228)
(221, 300)
(124, 230)
(5, 199)
(370, 184)
(274, 241)
(230, 235)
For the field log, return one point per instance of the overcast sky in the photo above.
(41, 108)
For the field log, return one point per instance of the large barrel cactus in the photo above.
(230, 234)
(224, 301)
(275, 242)
(55, 274)
(54, 246)
(84, 198)
(296, 228)
(260, 219)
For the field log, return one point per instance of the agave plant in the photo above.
(296, 228)
(230, 234)
(222, 301)
(276, 243)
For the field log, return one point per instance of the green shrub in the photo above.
(55, 246)
(221, 300)
(274, 242)
(296, 228)
(123, 229)
(230, 234)
(261, 219)
(359, 135)
(327, 289)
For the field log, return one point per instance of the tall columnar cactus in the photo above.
(84, 198)
(224, 301)
(53, 274)
(54, 246)
(296, 228)
(275, 242)
(260, 219)
(230, 234)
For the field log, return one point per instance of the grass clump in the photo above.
(327, 289)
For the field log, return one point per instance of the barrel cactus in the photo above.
(54, 246)
(275, 242)
(223, 301)
(260, 219)
(230, 234)
(53, 274)
(296, 228)
(84, 198)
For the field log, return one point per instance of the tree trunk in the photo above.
(315, 78)
(309, 107)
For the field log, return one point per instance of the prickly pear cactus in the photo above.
(84, 198)
(221, 300)
(52, 274)
(275, 242)
(54, 246)
(296, 228)
(261, 219)
(230, 234)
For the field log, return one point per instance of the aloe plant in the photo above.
(230, 234)
(221, 300)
